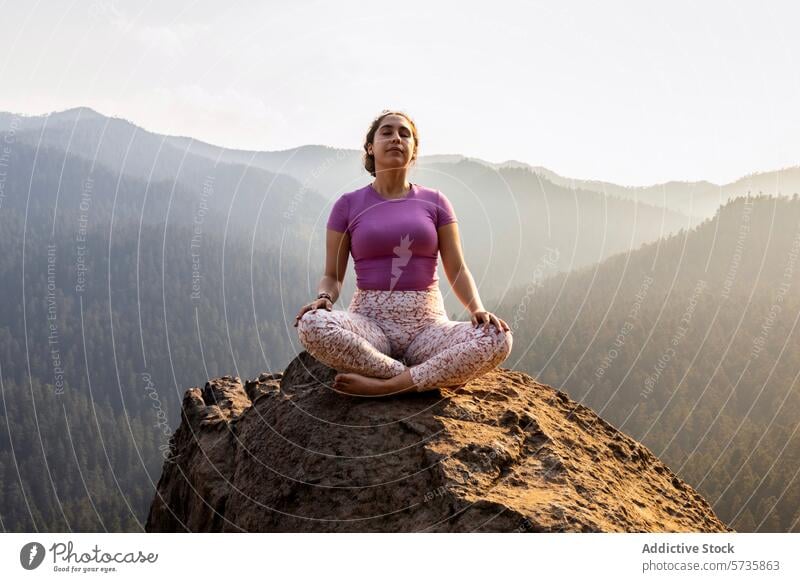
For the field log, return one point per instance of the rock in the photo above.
(504, 453)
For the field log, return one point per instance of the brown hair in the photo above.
(369, 160)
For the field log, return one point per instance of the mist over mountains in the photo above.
(134, 265)
(509, 216)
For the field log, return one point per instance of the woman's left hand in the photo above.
(486, 318)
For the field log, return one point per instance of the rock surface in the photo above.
(287, 453)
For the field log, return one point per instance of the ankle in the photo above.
(403, 380)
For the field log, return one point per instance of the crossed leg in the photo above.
(348, 342)
(444, 353)
(450, 353)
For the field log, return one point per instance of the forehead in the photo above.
(394, 121)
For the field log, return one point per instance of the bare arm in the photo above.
(337, 253)
(456, 269)
(461, 278)
(337, 245)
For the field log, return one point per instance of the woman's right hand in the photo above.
(316, 304)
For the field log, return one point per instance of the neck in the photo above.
(391, 184)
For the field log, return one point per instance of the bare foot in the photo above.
(359, 385)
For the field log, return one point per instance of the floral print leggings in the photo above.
(384, 332)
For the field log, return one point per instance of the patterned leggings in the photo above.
(381, 328)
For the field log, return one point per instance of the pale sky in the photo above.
(631, 92)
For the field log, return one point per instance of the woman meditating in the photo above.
(396, 336)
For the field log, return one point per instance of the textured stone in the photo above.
(286, 453)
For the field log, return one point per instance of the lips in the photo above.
(395, 150)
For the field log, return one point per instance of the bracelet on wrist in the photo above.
(325, 295)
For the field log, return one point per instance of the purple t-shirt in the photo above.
(394, 243)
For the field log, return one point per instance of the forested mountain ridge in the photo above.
(509, 217)
(689, 345)
(121, 290)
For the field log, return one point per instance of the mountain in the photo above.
(98, 247)
(696, 199)
(510, 218)
(689, 345)
(129, 272)
(331, 171)
(107, 306)
(518, 229)
(285, 453)
(71, 463)
(249, 203)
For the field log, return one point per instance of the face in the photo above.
(393, 144)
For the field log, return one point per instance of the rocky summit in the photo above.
(285, 452)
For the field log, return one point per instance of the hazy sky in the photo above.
(630, 92)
